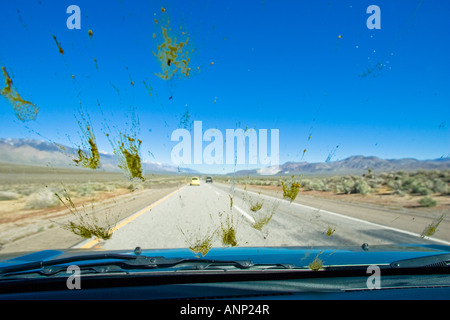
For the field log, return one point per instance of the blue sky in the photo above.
(300, 67)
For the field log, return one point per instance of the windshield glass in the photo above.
(320, 123)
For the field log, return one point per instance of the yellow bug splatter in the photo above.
(172, 54)
(58, 45)
(290, 191)
(91, 159)
(432, 227)
(25, 110)
(316, 264)
(227, 230)
(330, 230)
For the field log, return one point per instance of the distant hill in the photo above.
(42, 153)
(352, 165)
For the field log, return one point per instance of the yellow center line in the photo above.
(93, 242)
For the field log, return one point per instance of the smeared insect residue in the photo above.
(173, 55)
(91, 159)
(303, 155)
(148, 87)
(86, 225)
(256, 207)
(131, 79)
(330, 230)
(25, 110)
(199, 243)
(126, 148)
(290, 190)
(262, 218)
(316, 264)
(331, 154)
(128, 154)
(58, 45)
(185, 120)
(432, 227)
(373, 71)
(227, 229)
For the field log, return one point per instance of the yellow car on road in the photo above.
(195, 181)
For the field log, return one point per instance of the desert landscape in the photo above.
(34, 199)
(75, 204)
(423, 190)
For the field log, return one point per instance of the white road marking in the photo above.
(245, 214)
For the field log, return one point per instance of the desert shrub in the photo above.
(99, 186)
(396, 186)
(347, 186)
(42, 199)
(408, 184)
(422, 190)
(361, 187)
(400, 193)
(25, 190)
(110, 187)
(427, 202)
(440, 186)
(8, 195)
(85, 190)
(306, 184)
(317, 185)
(375, 183)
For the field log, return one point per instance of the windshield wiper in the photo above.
(433, 261)
(124, 263)
(46, 265)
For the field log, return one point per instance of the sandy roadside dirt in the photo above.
(32, 230)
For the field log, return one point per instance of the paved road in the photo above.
(193, 213)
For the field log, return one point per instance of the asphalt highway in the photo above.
(193, 214)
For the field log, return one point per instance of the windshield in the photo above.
(321, 123)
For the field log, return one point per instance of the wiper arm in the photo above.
(42, 264)
(433, 261)
(148, 263)
(126, 263)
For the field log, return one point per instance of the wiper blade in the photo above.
(228, 265)
(433, 261)
(124, 263)
(43, 264)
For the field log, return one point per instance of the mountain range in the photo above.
(352, 165)
(42, 153)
